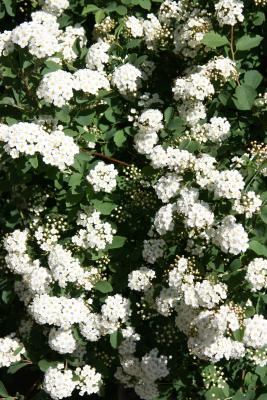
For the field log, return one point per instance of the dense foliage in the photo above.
(133, 199)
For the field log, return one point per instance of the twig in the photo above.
(232, 43)
(110, 159)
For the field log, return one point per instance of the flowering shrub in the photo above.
(133, 199)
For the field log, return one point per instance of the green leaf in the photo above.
(104, 207)
(145, 4)
(103, 287)
(259, 18)
(109, 115)
(90, 8)
(214, 40)
(121, 10)
(247, 42)
(244, 396)
(99, 16)
(8, 6)
(3, 391)
(168, 114)
(258, 248)
(84, 120)
(175, 123)
(34, 161)
(118, 241)
(214, 393)
(44, 364)
(16, 367)
(262, 397)
(119, 138)
(264, 214)
(63, 115)
(75, 179)
(115, 339)
(245, 96)
(253, 78)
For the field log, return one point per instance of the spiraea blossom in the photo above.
(133, 199)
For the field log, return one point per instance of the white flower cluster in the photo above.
(217, 130)
(135, 26)
(11, 350)
(229, 12)
(127, 79)
(149, 124)
(195, 87)
(57, 87)
(62, 341)
(89, 382)
(222, 68)
(97, 55)
(153, 250)
(255, 334)
(43, 36)
(114, 312)
(55, 147)
(90, 81)
(249, 203)
(59, 383)
(103, 177)
(66, 269)
(141, 375)
(59, 311)
(55, 6)
(95, 233)
(140, 279)
(230, 237)
(188, 36)
(182, 286)
(257, 274)
(167, 187)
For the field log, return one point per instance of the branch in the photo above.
(110, 159)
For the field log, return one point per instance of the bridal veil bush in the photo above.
(133, 199)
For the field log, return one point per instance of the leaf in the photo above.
(89, 9)
(118, 241)
(75, 179)
(146, 4)
(103, 287)
(244, 396)
(44, 364)
(115, 339)
(104, 208)
(253, 78)
(109, 115)
(8, 6)
(16, 367)
(121, 10)
(214, 40)
(259, 18)
(264, 214)
(119, 138)
(168, 114)
(99, 16)
(258, 248)
(63, 115)
(247, 42)
(244, 97)
(213, 393)
(84, 120)
(175, 123)
(262, 397)
(3, 391)
(34, 161)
